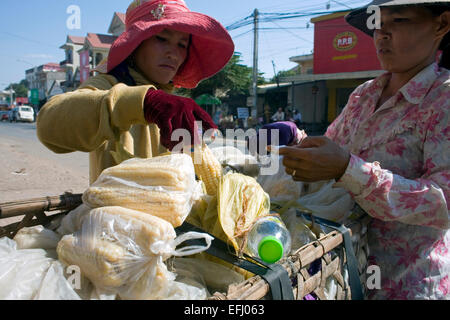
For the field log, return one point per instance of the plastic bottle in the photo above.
(269, 239)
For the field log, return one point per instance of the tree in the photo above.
(234, 79)
(20, 89)
(286, 73)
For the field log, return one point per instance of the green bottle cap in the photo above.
(270, 249)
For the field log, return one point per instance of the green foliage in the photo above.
(21, 89)
(286, 73)
(232, 85)
(233, 80)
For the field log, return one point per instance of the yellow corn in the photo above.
(143, 228)
(168, 171)
(101, 261)
(207, 168)
(113, 243)
(168, 206)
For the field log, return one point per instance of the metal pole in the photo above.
(11, 94)
(276, 75)
(255, 63)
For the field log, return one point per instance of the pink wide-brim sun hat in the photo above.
(210, 49)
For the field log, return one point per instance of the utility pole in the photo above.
(276, 75)
(11, 91)
(255, 63)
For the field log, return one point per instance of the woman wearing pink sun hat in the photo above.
(390, 149)
(128, 108)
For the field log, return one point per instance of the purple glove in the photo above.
(287, 134)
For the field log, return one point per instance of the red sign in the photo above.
(339, 47)
(20, 100)
(85, 68)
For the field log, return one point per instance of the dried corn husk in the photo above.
(241, 202)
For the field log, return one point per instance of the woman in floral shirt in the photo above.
(390, 148)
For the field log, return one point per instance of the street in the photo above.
(29, 170)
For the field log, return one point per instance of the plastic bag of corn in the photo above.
(122, 251)
(163, 186)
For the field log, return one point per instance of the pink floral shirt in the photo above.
(399, 173)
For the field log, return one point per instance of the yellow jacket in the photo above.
(96, 116)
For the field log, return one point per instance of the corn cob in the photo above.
(99, 261)
(142, 228)
(113, 244)
(107, 264)
(172, 171)
(169, 206)
(207, 168)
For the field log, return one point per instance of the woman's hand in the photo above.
(170, 112)
(315, 159)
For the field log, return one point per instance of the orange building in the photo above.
(343, 58)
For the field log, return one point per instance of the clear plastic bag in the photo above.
(30, 274)
(205, 273)
(123, 251)
(73, 221)
(234, 159)
(328, 202)
(36, 237)
(321, 198)
(163, 186)
(280, 186)
(298, 228)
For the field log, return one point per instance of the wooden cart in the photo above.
(330, 250)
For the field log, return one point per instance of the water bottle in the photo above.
(269, 239)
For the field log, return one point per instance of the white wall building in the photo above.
(71, 64)
(45, 78)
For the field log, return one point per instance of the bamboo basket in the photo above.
(328, 249)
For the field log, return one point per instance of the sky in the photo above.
(31, 31)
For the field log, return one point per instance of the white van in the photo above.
(23, 113)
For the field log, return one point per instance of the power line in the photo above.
(28, 39)
(242, 34)
(295, 35)
(306, 11)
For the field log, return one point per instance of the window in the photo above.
(98, 58)
(69, 56)
(69, 75)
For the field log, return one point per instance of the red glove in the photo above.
(170, 112)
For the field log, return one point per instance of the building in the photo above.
(95, 46)
(98, 46)
(343, 58)
(47, 79)
(71, 64)
(5, 99)
(117, 25)
(305, 63)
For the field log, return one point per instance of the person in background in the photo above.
(278, 116)
(297, 117)
(128, 110)
(217, 117)
(289, 116)
(390, 149)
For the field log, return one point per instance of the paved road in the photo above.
(28, 169)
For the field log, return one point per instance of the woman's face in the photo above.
(408, 38)
(160, 56)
